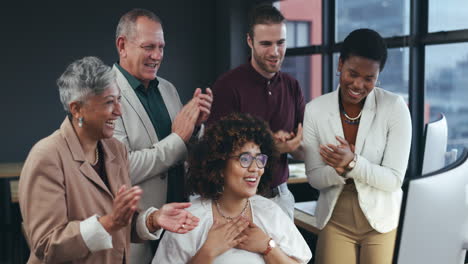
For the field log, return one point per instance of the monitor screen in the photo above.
(434, 217)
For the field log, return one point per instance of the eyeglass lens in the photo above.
(247, 159)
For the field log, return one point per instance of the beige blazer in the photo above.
(58, 189)
(382, 148)
(150, 158)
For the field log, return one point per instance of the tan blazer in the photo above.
(58, 189)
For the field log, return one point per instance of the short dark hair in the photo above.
(208, 158)
(365, 43)
(127, 22)
(264, 14)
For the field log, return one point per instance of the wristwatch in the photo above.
(352, 163)
(270, 245)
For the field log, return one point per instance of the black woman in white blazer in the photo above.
(357, 143)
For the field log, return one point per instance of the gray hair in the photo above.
(85, 77)
(126, 26)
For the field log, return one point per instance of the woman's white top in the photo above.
(180, 248)
(382, 147)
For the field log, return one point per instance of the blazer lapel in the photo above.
(78, 155)
(168, 101)
(112, 169)
(92, 175)
(368, 113)
(129, 94)
(334, 117)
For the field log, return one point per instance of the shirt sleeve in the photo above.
(142, 229)
(283, 231)
(94, 235)
(177, 248)
(320, 175)
(388, 175)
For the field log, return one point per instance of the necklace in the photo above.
(97, 157)
(230, 218)
(352, 118)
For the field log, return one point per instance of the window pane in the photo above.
(308, 71)
(394, 77)
(446, 92)
(290, 37)
(306, 13)
(447, 15)
(389, 18)
(303, 30)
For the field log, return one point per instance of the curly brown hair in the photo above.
(208, 158)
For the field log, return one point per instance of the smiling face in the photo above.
(357, 79)
(141, 53)
(242, 182)
(268, 46)
(99, 113)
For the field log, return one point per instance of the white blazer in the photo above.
(149, 158)
(382, 148)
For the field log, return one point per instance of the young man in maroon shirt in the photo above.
(261, 89)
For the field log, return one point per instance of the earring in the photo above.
(80, 121)
(377, 83)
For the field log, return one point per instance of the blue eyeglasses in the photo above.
(246, 159)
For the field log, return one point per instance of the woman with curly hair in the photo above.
(229, 166)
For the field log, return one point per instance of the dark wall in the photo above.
(37, 44)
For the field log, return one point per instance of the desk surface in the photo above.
(306, 221)
(297, 173)
(10, 170)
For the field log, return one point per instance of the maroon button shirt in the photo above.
(278, 101)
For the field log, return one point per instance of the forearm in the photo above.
(377, 176)
(62, 245)
(298, 154)
(147, 163)
(277, 256)
(324, 177)
(146, 227)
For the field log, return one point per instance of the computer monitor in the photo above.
(434, 217)
(435, 145)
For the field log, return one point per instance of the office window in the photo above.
(389, 18)
(298, 34)
(446, 89)
(447, 15)
(444, 64)
(304, 21)
(394, 77)
(308, 72)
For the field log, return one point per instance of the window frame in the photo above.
(416, 41)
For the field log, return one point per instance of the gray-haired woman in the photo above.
(74, 190)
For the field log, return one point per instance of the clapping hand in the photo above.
(204, 104)
(184, 122)
(173, 217)
(224, 236)
(124, 206)
(337, 156)
(288, 142)
(256, 240)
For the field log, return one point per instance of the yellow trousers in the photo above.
(349, 239)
